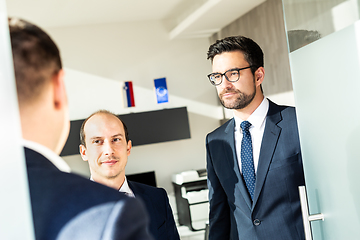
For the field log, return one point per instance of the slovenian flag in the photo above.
(161, 91)
(129, 94)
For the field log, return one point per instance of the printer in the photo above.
(191, 196)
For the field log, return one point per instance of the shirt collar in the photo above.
(47, 153)
(124, 188)
(257, 118)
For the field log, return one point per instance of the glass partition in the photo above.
(324, 53)
(309, 20)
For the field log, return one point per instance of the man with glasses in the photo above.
(254, 160)
(64, 206)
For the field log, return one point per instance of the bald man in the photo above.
(105, 145)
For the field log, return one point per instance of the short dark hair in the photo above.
(102, 111)
(251, 50)
(36, 58)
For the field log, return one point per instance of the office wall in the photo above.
(265, 25)
(140, 52)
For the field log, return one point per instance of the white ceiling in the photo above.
(182, 18)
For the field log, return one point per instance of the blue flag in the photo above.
(161, 91)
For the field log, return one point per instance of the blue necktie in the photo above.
(247, 162)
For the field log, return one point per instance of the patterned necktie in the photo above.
(247, 162)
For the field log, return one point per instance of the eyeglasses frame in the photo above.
(224, 75)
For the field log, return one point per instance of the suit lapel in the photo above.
(268, 146)
(229, 133)
(155, 218)
(140, 193)
(137, 191)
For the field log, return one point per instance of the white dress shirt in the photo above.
(46, 152)
(124, 188)
(257, 120)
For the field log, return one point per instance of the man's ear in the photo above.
(259, 76)
(60, 99)
(82, 149)
(129, 145)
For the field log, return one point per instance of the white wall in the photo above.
(141, 52)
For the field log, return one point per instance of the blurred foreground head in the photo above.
(40, 85)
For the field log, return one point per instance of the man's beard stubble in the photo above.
(242, 101)
(116, 174)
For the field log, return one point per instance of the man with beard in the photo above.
(105, 145)
(254, 160)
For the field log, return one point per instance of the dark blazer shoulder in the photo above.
(140, 187)
(157, 196)
(283, 109)
(37, 160)
(282, 115)
(225, 128)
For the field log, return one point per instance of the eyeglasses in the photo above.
(232, 75)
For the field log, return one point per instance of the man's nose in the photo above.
(108, 149)
(225, 83)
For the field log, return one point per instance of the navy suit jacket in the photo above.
(66, 206)
(275, 212)
(162, 224)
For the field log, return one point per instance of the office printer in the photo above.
(192, 201)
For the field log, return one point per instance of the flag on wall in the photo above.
(162, 94)
(129, 94)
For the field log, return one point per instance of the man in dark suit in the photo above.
(105, 145)
(254, 160)
(64, 206)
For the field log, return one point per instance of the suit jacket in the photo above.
(66, 206)
(162, 224)
(275, 212)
